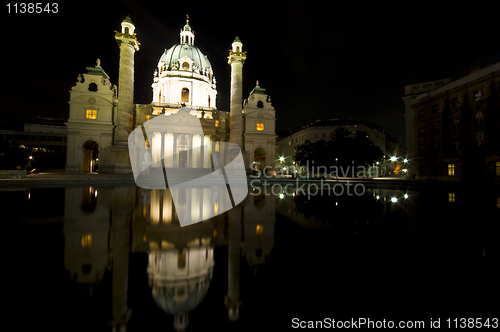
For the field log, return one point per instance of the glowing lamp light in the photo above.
(394, 199)
(405, 160)
(378, 197)
(282, 159)
(406, 196)
(393, 158)
(282, 196)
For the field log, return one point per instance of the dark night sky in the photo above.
(315, 61)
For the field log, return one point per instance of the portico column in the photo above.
(190, 151)
(174, 157)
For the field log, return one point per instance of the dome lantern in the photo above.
(187, 35)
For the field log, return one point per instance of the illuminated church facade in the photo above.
(103, 115)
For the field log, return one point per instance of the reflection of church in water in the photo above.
(103, 115)
(103, 226)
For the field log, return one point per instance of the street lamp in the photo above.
(337, 162)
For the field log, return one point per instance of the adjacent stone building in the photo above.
(324, 130)
(453, 127)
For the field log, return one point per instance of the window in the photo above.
(451, 169)
(435, 146)
(148, 117)
(456, 124)
(185, 65)
(454, 102)
(208, 101)
(185, 95)
(91, 114)
(126, 30)
(434, 109)
(456, 144)
(477, 95)
(451, 197)
(93, 87)
(217, 123)
(497, 166)
(479, 139)
(181, 260)
(259, 229)
(435, 129)
(260, 126)
(87, 240)
(260, 104)
(478, 119)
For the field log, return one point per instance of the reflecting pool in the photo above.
(116, 258)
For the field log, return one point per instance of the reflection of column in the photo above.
(202, 151)
(121, 224)
(232, 300)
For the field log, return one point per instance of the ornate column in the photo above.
(124, 124)
(236, 59)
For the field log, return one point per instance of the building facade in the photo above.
(453, 127)
(103, 115)
(43, 144)
(324, 130)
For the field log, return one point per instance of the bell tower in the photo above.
(236, 59)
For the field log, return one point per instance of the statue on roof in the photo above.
(257, 84)
(98, 63)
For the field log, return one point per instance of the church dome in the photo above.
(170, 58)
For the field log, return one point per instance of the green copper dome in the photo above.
(178, 51)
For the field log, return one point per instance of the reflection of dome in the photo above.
(183, 298)
(180, 278)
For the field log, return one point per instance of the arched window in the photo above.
(126, 30)
(185, 65)
(260, 104)
(185, 95)
(181, 260)
(93, 87)
(209, 101)
(237, 48)
(159, 97)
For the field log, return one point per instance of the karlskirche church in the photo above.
(102, 115)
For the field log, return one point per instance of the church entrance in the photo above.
(90, 157)
(259, 159)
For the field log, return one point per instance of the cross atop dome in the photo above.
(187, 35)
